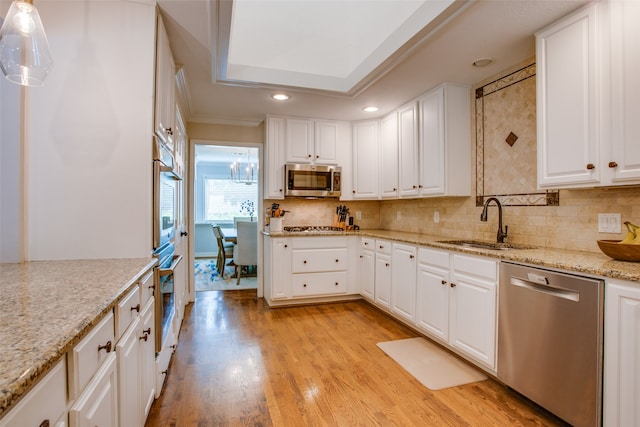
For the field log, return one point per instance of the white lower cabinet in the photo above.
(403, 281)
(46, 403)
(456, 302)
(366, 268)
(383, 274)
(129, 379)
(98, 403)
(147, 358)
(622, 354)
(307, 267)
(472, 317)
(433, 293)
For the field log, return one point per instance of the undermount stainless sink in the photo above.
(485, 245)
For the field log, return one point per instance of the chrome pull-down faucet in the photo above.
(483, 217)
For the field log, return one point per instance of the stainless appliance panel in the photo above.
(550, 340)
(305, 180)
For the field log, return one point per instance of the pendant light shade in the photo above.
(24, 51)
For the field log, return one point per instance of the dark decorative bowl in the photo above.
(621, 252)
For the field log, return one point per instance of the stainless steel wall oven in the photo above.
(164, 224)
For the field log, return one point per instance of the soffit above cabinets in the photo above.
(318, 44)
(442, 51)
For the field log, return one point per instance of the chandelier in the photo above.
(244, 170)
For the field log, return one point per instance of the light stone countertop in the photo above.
(46, 307)
(585, 263)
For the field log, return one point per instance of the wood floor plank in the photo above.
(240, 363)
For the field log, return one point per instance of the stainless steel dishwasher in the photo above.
(550, 331)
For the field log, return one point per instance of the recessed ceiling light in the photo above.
(280, 97)
(370, 109)
(482, 62)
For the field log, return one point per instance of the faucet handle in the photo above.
(506, 230)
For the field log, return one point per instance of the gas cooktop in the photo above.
(311, 228)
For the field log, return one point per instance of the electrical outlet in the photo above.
(399, 216)
(609, 223)
(436, 217)
(358, 215)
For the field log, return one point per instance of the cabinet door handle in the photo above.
(106, 347)
(286, 246)
(304, 262)
(317, 156)
(145, 337)
(337, 260)
(386, 264)
(304, 285)
(361, 256)
(381, 247)
(147, 331)
(280, 190)
(337, 283)
(309, 155)
(411, 256)
(366, 243)
(453, 285)
(613, 165)
(136, 308)
(420, 186)
(354, 191)
(444, 282)
(395, 189)
(591, 166)
(45, 423)
(414, 187)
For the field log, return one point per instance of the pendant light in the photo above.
(24, 51)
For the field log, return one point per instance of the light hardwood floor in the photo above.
(239, 363)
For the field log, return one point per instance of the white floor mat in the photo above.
(434, 367)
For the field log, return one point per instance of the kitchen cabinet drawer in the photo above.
(319, 284)
(475, 266)
(146, 288)
(433, 257)
(318, 260)
(319, 243)
(46, 404)
(87, 356)
(127, 311)
(383, 247)
(368, 243)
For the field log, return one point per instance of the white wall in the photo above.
(11, 249)
(88, 154)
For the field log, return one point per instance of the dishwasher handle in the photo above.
(546, 289)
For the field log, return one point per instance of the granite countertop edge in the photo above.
(586, 263)
(27, 360)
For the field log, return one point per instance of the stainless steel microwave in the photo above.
(304, 180)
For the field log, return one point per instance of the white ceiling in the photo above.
(200, 31)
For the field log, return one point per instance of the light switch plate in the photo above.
(609, 223)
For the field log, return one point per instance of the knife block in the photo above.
(337, 223)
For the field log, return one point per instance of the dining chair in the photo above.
(237, 219)
(225, 249)
(245, 253)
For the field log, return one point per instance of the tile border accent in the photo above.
(542, 198)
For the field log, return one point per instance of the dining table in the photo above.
(230, 234)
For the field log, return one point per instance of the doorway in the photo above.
(226, 190)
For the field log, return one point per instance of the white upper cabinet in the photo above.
(408, 150)
(389, 156)
(313, 141)
(567, 99)
(624, 154)
(274, 170)
(365, 160)
(165, 86)
(445, 141)
(299, 140)
(586, 98)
